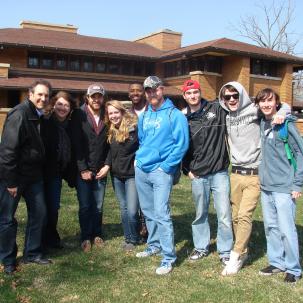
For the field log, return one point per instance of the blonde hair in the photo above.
(128, 121)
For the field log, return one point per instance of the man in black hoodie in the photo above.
(21, 164)
(206, 164)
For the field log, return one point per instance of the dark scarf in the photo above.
(64, 145)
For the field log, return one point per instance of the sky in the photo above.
(197, 20)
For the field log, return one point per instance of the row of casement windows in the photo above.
(90, 64)
(140, 68)
(214, 64)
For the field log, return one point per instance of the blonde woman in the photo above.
(123, 141)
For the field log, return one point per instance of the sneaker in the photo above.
(86, 246)
(164, 268)
(224, 260)
(98, 242)
(270, 270)
(233, 265)
(147, 252)
(290, 278)
(196, 255)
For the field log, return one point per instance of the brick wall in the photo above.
(14, 56)
(285, 72)
(257, 84)
(164, 40)
(236, 69)
(210, 84)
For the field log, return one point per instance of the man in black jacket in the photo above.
(89, 138)
(206, 164)
(21, 163)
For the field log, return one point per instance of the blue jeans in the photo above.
(279, 211)
(217, 183)
(33, 195)
(52, 197)
(154, 190)
(91, 196)
(126, 192)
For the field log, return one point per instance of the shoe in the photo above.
(98, 242)
(128, 246)
(270, 270)
(38, 260)
(224, 260)
(233, 265)
(9, 269)
(290, 278)
(86, 246)
(148, 252)
(196, 255)
(164, 268)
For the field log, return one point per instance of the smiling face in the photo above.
(95, 102)
(39, 96)
(268, 106)
(114, 115)
(62, 109)
(136, 93)
(231, 100)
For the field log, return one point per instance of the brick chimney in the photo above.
(49, 26)
(164, 40)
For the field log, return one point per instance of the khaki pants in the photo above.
(245, 192)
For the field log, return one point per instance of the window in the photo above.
(263, 67)
(138, 68)
(61, 62)
(47, 61)
(114, 66)
(101, 65)
(184, 67)
(34, 60)
(88, 64)
(126, 67)
(149, 68)
(74, 63)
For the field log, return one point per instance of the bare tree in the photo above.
(271, 26)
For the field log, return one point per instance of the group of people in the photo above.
(44, 142)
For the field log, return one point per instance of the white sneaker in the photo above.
(234, 264)
(148, 252)
(164, 268)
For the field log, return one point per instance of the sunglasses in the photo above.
(228, 97)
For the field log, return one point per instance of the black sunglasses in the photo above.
(228, 97)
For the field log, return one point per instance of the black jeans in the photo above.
(33, 195)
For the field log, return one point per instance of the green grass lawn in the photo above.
(111, 275)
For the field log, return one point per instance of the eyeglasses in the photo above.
(228, 97)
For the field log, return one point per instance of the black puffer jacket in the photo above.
(21, 149)
(90, 148)
(208, 150)
(122, 156)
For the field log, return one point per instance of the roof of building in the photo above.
(49, 39)
(75, 85)
(226, 45)
(78, 43)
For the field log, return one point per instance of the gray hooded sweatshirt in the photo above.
(243, 127)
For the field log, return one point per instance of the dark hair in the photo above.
(135, 83)
(61, 94)
(40, 82)
(227, 87)
(267, 93)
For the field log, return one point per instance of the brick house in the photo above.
(71, 62)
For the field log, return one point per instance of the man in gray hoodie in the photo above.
(243, 127)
